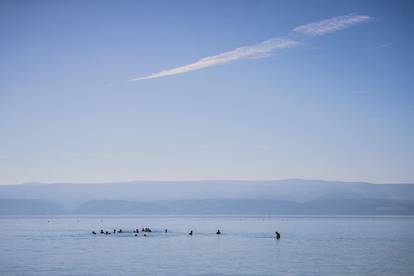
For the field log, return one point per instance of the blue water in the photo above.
(64, 245)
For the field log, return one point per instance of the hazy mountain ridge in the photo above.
(251, 207)
(292, 196)
(29, 207)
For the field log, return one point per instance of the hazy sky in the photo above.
(220, 90)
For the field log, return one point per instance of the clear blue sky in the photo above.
(337, 106)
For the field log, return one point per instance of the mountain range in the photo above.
(293, 196)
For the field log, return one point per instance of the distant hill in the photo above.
(292, 196)
(250, 207)
(29, 207)
(120, 207)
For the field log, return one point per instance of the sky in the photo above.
(104, 91)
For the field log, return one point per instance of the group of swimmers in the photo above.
(143, 230)
(148, 230)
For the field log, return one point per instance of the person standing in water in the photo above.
(277, 235)
(218, 232)
(191, 233)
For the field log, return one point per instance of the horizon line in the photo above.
(205, 180)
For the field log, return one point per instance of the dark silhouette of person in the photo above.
(93, 232)
(114, 231)
(191, 233)
(137, 231)
(145, 235)
(277, 235)
(102, 231)
(120, 231)
(165, 230)
(218, 232)
(136, 235)
(142, 230)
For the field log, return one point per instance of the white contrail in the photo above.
(264, 48)
(331, 25)
(255, 51)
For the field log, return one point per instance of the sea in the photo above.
(309, 245)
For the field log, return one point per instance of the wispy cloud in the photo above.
(331, 25)
(247, 52)
(384, 45)
(264, 48)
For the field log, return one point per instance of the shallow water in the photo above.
(64, 245)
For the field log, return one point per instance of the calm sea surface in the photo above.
(64, 245)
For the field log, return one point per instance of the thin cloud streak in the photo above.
(259, 50)
(385, 45)
(264, 48)
(331, 25)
